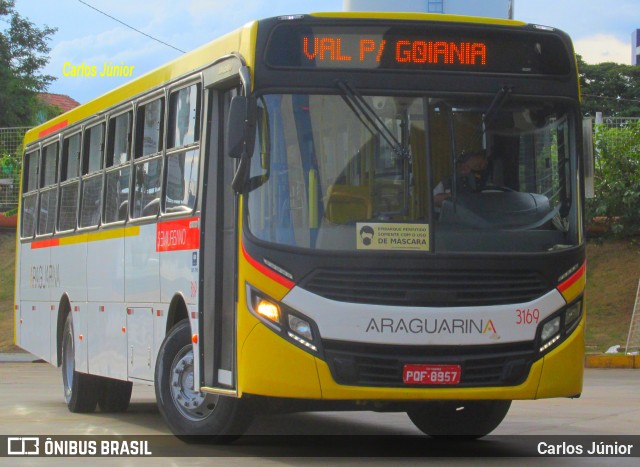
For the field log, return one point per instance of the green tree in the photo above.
(617, 179)
(610, 88)
(23, 54)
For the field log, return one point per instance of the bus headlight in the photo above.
(560, 326)
(300, 331)
(286, 322)
(550, 333)
(300, 327)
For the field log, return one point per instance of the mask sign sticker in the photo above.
(392, 236)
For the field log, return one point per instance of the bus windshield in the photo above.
(413, 173)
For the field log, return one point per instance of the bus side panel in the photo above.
(179, 275)
(142, 267)
(70, 259)
(107, 343)
(140, 342)
(38, 275)
(141, 290)
(105, 270)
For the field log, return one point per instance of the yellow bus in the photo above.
(336, 210)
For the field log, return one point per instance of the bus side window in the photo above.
(149, 125)
(90, 203)
(118, 170)
(69, 182)
(30, 193)
(48, 189)
(148, 163)
(183, 157)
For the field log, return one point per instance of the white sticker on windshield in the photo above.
(392, 236)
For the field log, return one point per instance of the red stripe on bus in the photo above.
(270, 273)
(54, 128)
(177, 235)
(575, 277)
(45, 243)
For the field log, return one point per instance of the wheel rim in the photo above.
(193, 405)
(68, 365)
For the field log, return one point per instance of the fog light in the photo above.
(550, 333)
(268, 310)
(300, 327)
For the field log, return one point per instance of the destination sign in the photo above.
(421, 48)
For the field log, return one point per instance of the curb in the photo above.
(612, 361)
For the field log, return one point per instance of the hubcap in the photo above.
(193, 405)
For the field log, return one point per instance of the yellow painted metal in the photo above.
(132, 231)
(269, 365)
(420, 17)
(576, 289)
(563, 367)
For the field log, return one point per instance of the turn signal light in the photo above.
(268, 310)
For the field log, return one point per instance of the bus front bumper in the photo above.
(271, 366)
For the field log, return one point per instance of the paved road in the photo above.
(31, 403)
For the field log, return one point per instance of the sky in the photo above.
(601, 30)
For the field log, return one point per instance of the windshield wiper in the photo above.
(370, 119)
(376, 126)
(501, 97)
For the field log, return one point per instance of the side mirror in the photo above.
(240, 130)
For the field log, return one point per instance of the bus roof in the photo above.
(419, 17)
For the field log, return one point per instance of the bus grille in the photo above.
(381, 365)
(435, 288)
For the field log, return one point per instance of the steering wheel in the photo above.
(490, 188)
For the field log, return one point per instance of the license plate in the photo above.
(431, 374)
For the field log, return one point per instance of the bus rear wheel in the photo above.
(81, 391)
(187, 412)
(468, 419)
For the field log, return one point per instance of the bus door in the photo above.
(218, 245)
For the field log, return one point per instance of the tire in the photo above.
(115, 395)
(186, 412)
(467, 419)
(81, 391)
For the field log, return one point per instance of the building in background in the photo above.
(635, 47)
(488, 8)
(58, 103)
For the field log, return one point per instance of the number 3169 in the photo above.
(527, 316)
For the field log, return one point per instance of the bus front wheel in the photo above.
(187, 412)
(468, 419)
(81, 391)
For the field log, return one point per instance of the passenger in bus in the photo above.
(471, 173)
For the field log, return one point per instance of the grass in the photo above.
(613, 271)
(7, 271)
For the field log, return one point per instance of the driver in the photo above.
(471, 176)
